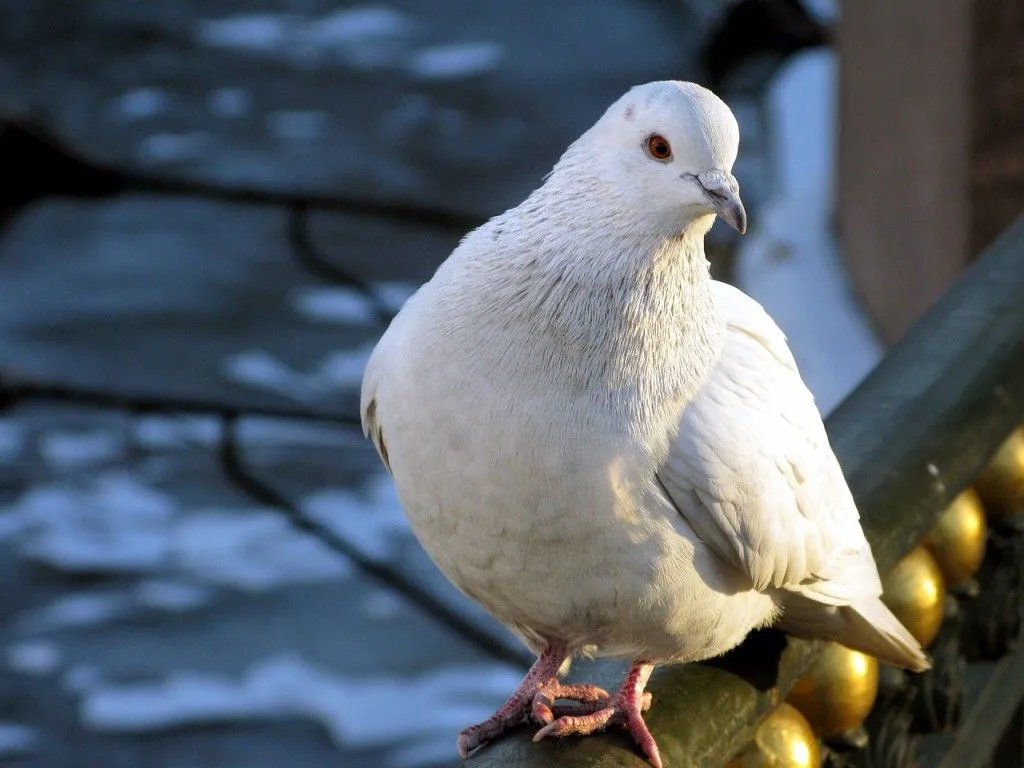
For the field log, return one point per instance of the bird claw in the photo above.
(587, 698)
(587, 708)
(541, 707)
(623, 709)
(583, 709)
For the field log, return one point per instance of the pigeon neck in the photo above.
(618, 260)
(632, 311)
(583, 241)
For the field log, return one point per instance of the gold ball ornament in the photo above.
(783, 740)
(957, 540)
(916, 593)
(1001, 483)
(838, 691)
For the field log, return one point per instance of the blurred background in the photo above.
(208, 211)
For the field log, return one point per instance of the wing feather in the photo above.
(369, 400)
(752, 471)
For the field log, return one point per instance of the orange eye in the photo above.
(658, 147)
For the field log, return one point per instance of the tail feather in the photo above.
(866, 626)
(882, 635)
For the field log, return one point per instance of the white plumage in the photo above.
(752, 470)
(608, 450)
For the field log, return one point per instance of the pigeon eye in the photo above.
(658, 147)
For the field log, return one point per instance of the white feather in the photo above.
(751, 469)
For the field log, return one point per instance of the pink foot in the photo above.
(624, 709)
(588, 708)
(588, 698)
(535, 696)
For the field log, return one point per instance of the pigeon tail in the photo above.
(866, 626)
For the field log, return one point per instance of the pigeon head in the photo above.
(666, 150)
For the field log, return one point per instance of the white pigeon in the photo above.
(608, 450)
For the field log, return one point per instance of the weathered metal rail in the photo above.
(913, 435)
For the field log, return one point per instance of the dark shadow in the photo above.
(756, 659)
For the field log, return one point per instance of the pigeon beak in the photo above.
(723, 193)
(729, 209)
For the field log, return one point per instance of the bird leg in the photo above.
(535, 696)
(624, 708)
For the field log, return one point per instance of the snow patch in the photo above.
(336, 372)
(372, 520)
(364, 37)
(358, 713)
(163, 432)
(81, 678)
(359, 24)
(456, 61)
(165, 148)
(140, 104)
(343, 306)
(71, 450)
(75, 611)
(229, 102)
(34, 657)
(251, 550)
(172, 596)
(90, 609)
(297, 125)
(12, 440)
(395, 294)
(115, 524)
(344, 369)
(261, 32)
(369, 37)
(17, 740)
(261, 370)
(347, 305)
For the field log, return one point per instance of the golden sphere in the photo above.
(916, 593)
(957, 541)
(784, 740)
(838, 691)
(1001, 483)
